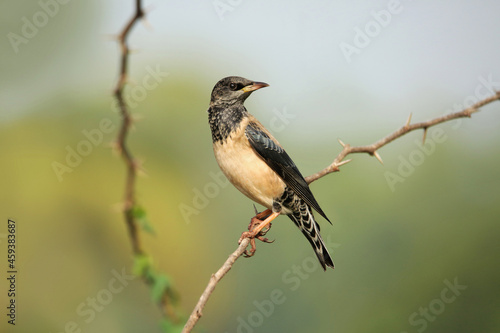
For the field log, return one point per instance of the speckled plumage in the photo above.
(223, 121)
(257, 165)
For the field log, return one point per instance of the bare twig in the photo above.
(339, 161)
(214, 279)
(372, 149)
(130, 204)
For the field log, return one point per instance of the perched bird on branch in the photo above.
(257, 165)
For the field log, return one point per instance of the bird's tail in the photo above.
(304, 219)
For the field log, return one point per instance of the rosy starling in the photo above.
(257, 165)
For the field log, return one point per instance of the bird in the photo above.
(258, 166)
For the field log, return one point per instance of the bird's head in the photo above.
(234, 89)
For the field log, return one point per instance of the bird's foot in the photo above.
(253, 248)
(258, 218)
(256, 232)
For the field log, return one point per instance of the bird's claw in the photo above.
(264, 231)
(265, 240)
(252, 235)
(253, 248)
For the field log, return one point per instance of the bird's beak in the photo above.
(254, 86)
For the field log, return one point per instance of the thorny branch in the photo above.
(125, 126)
(372, 149)
(130, 204)
(336, 164)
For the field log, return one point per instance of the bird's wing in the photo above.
(279, 161)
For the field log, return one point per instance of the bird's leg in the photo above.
(263, 215)
(258, 218)
(263, 232)
(255, 231)
(256, 227)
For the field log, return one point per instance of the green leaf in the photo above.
(142, 265)
(139, 214)
(160, 285)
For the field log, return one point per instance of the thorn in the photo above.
(425, 135)
(146, 23)
(116, 148)
(126, 81)
(123, 81)
(138, 165)
(408, 121)
(149, 9)
(341, 143)
(136, 117)
(141, 172)
(111, 37)
(343, 162)
(377, 156)
(131, 125)
(134, 51)
(115, 145)
(118, 207)
(255, 209)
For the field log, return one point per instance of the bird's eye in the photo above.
(233, 86)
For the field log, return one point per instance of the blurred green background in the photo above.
(397, 248)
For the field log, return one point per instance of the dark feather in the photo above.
(304, 219)
(279, 161)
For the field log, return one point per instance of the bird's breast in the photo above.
(246, 170)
